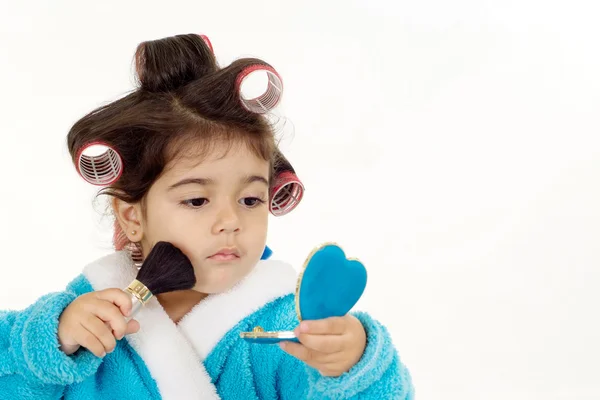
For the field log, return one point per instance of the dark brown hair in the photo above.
(184, 104)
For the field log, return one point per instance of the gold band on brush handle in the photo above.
(140, 295)
(140, 291)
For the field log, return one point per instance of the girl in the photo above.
(196, 165)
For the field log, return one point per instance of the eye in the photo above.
(252, 202)
(195, 203)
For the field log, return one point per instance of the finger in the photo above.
(132, 327)
(118, 298)
(98, 328)
(328, 344)
(88, 340)
(303, 353)
(327, 326)
(111, 314)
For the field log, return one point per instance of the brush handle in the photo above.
(136, 305)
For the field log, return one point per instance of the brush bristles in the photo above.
(166, 269)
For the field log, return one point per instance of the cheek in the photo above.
(256, 232)
(167, 223)
(258, 220)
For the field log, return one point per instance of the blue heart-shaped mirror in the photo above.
(329, 286)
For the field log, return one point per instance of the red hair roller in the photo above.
(207, 41)
(286, 193)
(272, 95)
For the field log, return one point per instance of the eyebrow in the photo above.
(207, 182)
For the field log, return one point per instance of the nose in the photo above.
(227, 220)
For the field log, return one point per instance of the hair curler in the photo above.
(286, 194)
(99, 164)
(207, 41)
(270, 98)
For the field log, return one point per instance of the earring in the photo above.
(135, 251)
(122, 242)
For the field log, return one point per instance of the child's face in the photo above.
(210, 210)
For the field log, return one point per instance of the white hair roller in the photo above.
(99, 164)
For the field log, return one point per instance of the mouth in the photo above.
(226, 254)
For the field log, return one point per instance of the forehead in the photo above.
(220, 161)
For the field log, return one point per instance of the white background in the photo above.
(450, 145)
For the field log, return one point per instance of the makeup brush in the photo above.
(166, 269)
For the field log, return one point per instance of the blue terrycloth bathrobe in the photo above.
(202, 357)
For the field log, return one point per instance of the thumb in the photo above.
(132, 327)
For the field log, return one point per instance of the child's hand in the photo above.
(332, 346)
(88, 321)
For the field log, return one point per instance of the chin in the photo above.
(219, 280)
(216, 288)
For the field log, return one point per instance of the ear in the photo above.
(129, 218)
